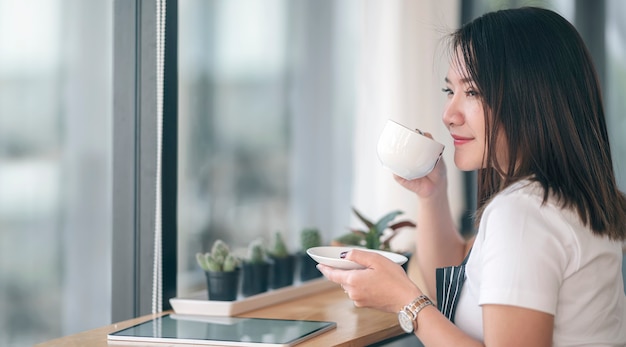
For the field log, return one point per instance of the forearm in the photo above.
(435, 330)
(438, 242)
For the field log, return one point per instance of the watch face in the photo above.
(405, 322)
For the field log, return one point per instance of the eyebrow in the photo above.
(463, 80)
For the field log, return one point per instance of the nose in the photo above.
(452, 113)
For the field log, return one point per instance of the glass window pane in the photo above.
(264, 129)
(616, 84)
(55, 168)
(564, 7)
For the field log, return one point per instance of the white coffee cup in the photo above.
(406, 152)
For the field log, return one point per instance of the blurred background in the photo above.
(280, 103)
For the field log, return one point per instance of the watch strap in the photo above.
(416, 306)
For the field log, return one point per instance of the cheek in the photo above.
(470, 157)
(477, 120)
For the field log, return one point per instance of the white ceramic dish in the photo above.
(329, 255)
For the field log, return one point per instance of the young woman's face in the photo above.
(465, 119)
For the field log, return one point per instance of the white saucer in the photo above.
(329, 255)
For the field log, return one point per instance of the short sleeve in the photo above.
(523, 253)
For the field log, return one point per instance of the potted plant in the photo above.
(373, 236)
(282, 266)
(222, 272)
(309, 238)
(255, 270)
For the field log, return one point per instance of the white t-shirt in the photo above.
(542, 257)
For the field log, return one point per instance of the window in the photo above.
(615, 88)
(55, 168)
(265, 114)
(280, 107)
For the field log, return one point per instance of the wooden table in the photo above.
(355, 326)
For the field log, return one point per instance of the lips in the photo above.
(460, 140)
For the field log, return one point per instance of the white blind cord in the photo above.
(157, 268)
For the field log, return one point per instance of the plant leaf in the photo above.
(382, 223)
(372, 239)
(200, 258)
(402, 224)
(367, 222)
(230, 263)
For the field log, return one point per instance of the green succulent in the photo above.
(279, 249)
(256, 252)
(310, 237)
(219, 259)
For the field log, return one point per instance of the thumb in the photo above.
(362, 257)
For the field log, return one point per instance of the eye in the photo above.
(471, 93)
(448, 91)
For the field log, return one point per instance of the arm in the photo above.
(438, 242)
(503, 325)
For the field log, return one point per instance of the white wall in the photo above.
(401, 76)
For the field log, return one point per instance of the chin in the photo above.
(465, 165)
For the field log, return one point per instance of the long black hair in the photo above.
(541, 93)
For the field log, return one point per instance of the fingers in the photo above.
(427, 134)
(336, 275)
(399, 179)
(333, 274)
(365, 258)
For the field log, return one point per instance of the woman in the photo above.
(524, 109)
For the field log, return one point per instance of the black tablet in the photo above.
(221, 331)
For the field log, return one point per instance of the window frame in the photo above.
(135, 159)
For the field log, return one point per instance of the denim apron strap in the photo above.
(449, 283)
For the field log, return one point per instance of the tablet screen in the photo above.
(223, 331)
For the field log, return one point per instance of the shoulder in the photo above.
(524, 248)
(522, 193)
(519, 216)
(522, 201)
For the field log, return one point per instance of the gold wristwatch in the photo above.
(408, 314)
